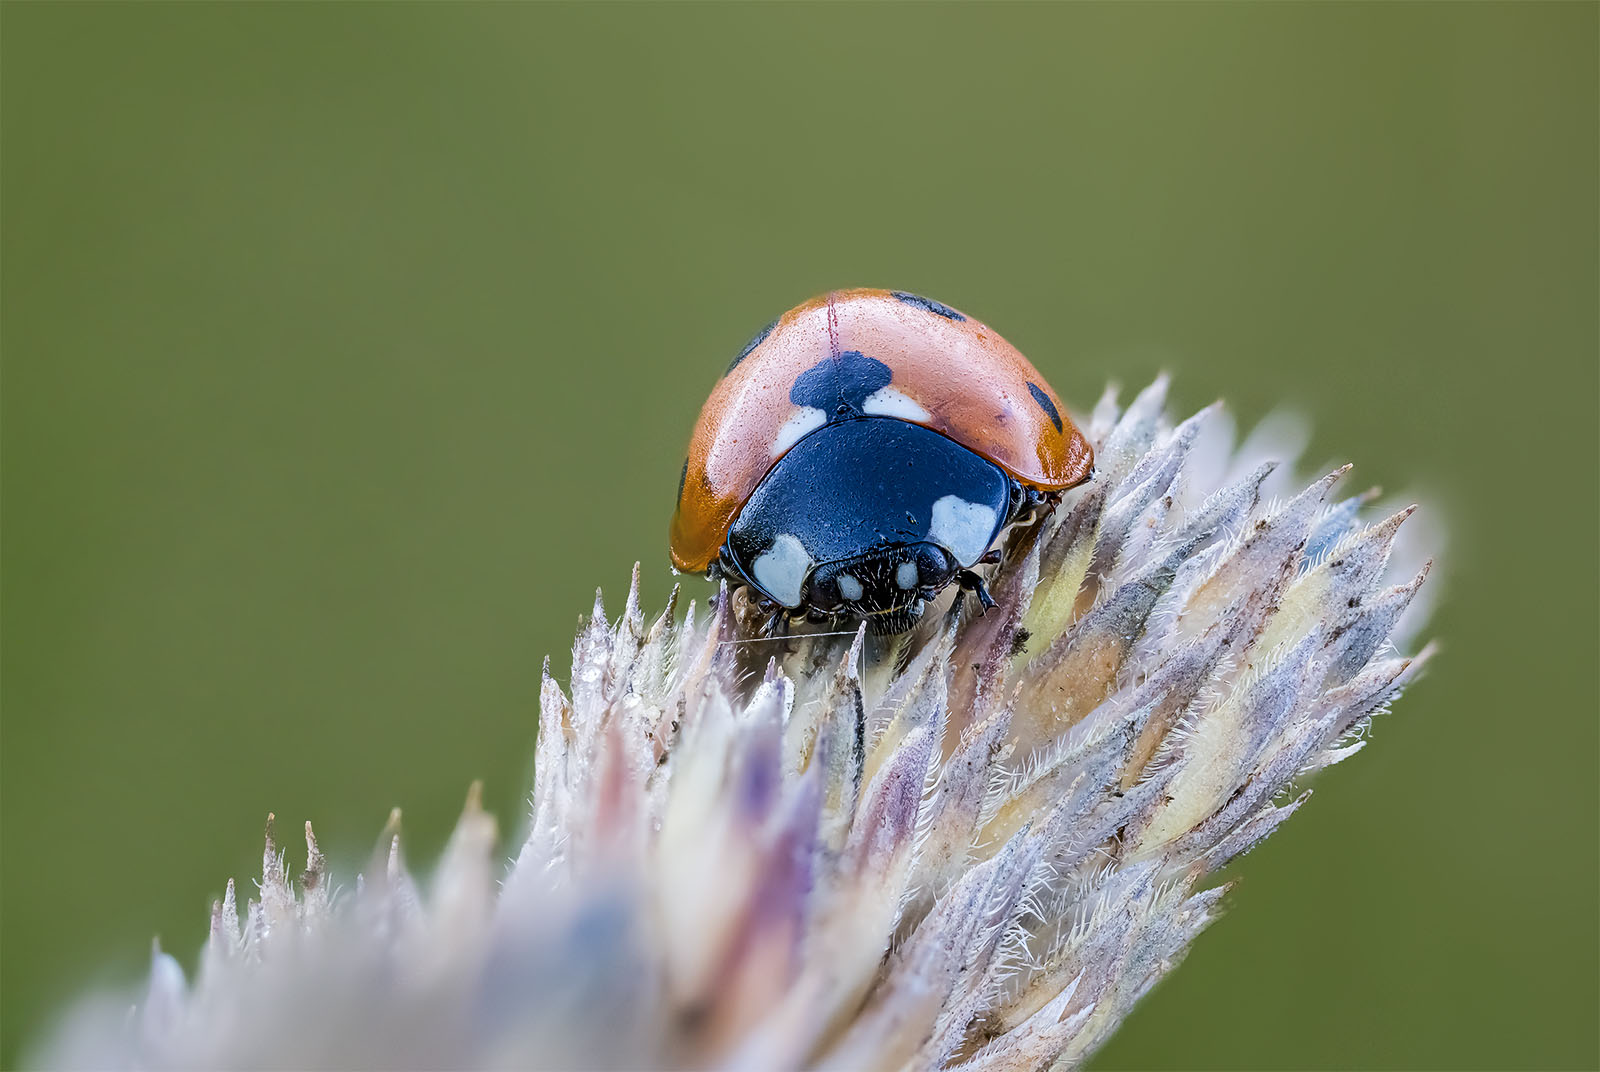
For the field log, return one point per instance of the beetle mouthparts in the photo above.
(893, 620)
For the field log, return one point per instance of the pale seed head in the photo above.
(974, 846)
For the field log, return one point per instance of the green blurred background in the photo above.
(348, 348)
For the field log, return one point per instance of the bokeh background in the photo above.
(348, 348)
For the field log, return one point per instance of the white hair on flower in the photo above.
(973, 846)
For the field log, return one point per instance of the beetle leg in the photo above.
(726, 569)
(1018, 496)
(777, 623)
(971, 582)
(1025, 503)
(990, 557)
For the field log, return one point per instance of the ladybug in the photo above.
(865, 450)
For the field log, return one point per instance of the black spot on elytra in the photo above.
(756, 340)
(937, 308)
(683, 478)
(840, 385)
(1045, 404)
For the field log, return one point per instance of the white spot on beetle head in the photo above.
(804, 419)
(849, 587)
(905, 575)
(887, 402)
(963, 528)
(782, 569)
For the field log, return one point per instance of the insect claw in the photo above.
(971, 582)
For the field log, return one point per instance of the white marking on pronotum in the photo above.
(962, 528)
(849, 587)
(782, 568)
(887, 402)
(804, 419)
(905, 575)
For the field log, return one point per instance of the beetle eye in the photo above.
(933, 566)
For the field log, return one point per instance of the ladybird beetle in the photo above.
(862, 452)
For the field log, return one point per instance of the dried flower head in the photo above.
(973, 846)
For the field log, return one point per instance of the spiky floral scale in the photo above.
(973, 847)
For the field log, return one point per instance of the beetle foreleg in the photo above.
(777, 623)
(971, 582)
